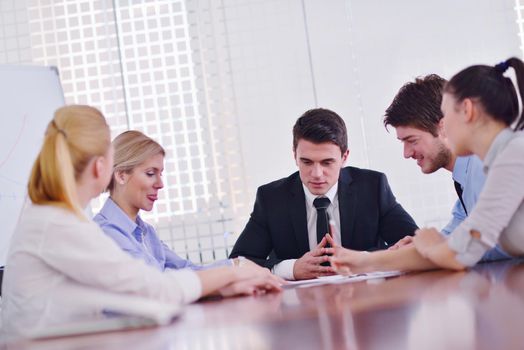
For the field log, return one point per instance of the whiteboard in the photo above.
(29, 95)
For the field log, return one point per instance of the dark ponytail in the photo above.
(495, 92)
(518, 66)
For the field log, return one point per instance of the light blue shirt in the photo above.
(139, 239)
(469, 173)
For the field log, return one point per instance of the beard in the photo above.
(441, 159)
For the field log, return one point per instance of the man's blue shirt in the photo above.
(469, 173)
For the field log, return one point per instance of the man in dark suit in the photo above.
(287, 231)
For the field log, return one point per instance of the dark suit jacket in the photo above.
(369, 216)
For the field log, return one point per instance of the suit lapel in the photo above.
(298, 216)
(347, 202)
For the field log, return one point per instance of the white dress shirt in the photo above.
(284, 269)
(60, 267)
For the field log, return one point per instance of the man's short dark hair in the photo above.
(417, 104)
(321, 125)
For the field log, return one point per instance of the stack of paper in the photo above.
(342, 279)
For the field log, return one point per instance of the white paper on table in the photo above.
(335, 279)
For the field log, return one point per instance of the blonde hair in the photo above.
(132, 148)
(75, 135)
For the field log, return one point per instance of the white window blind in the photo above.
(159, 67)
(15, 46)
(519, 9)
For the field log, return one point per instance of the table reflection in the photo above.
(482, 308)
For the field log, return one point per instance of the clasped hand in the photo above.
(309, 265)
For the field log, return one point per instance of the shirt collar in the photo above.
(460, 169)
(114, 214)
(498, 144)
(331, 194)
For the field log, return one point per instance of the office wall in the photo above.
(256, 66)
(352, 57)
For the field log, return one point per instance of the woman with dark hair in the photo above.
(480, 105)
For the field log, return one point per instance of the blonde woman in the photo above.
(61, 265)
(134, 186)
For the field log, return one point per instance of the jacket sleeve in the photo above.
(255, 241)
(395, 223)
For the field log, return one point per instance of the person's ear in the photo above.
(467, 108)
(99, 167)
(120, 177)
(441, 132)
(345, 156)
(440, 126)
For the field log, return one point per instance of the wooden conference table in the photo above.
(479, 309)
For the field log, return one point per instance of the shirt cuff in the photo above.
(469, 250)
(190, 285)
(284, 269)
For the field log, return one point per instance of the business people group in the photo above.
(416, 115)
(62, 266)
(326, 218)
(481, 117)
